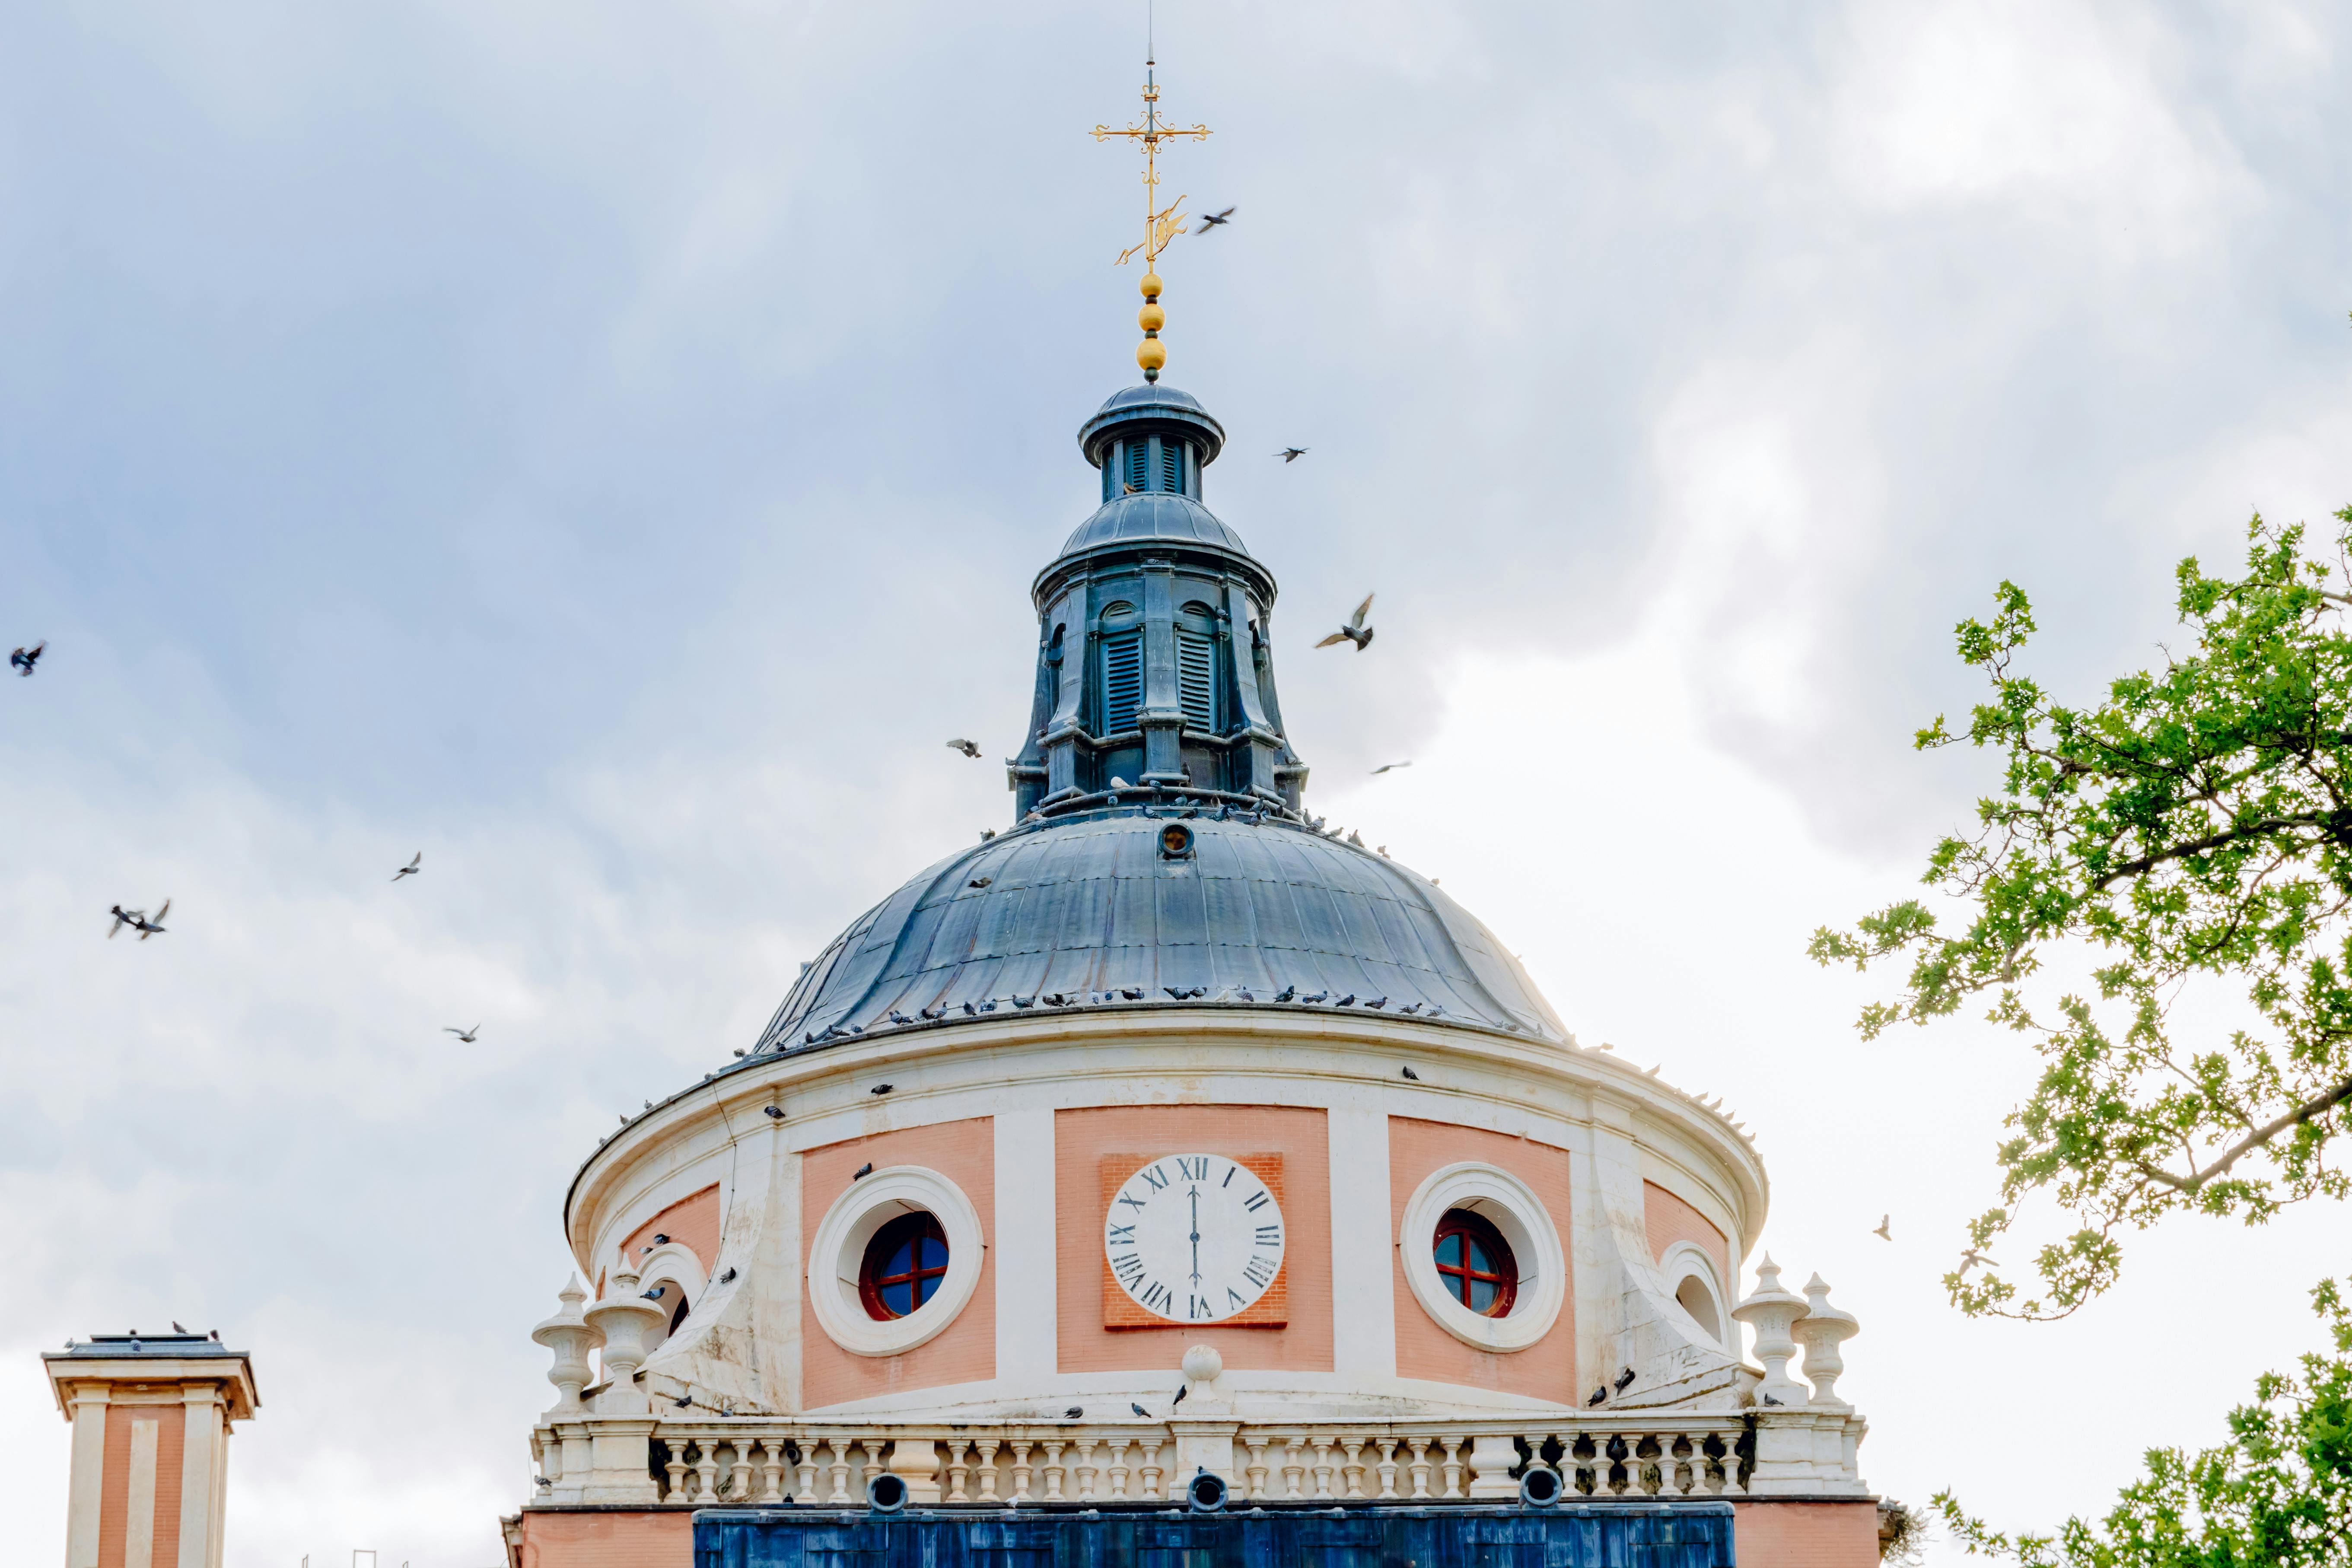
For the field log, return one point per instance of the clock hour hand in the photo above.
(1196, 1236)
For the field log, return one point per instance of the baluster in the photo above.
(706, 1469)
(737, 1487)
(1054, 1472)
(804, 1485)
(1354, 1474)
(1387, 1446)
(957, 1469)
(1688, 1459)
(1324, 1465)
(1021, 1470)
(987, 1447)
(1419, 1466)
(771, 1470)
(1118, 1447)
(1152, 1490)
(839, 1470)
(1294, 1465)
(1086, 1467)
(676, 1465)
(1452, 1449)
(1257, 1467)
(1732, 1485)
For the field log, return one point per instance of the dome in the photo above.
(1156, 405)
(1090, 904)
(1152, 517)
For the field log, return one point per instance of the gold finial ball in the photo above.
(1151, 353)
(1152, 285)
(1151, 318)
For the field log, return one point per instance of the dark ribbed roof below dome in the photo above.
(1149, 517)
(1090, 905)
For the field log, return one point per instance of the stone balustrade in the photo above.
(823, 1462)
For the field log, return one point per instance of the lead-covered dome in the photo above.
(1079, 908)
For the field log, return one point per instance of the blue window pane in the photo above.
(901, 1259)
(1449, 1251)
(898, 1300)
(1479, 1258)
(1482, 1296)
(935, 1252)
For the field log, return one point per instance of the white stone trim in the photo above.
(1689, 1260)
(1027, 1340)
(838, 1249)
(1363, 1336)
(1513, 1209)
(672, 1263)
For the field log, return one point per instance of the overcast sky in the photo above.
(607, 447)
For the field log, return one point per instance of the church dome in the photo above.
(1152, 518)
(1096, 903)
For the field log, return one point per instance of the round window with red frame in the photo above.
(1474, 1263)
(904, 1265)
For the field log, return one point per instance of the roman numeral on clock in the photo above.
(1155, 1295)
(1152, 1174)
(1195, 1168)
(1258, 1272)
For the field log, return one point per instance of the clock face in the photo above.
(1195, 1238)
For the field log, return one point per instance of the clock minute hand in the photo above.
(1196, 1236)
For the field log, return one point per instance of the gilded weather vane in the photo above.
(1160, 224)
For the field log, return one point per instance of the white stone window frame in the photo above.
(671, 1263)
(1511, 1207)
(1689, 1261)
(837, 1253)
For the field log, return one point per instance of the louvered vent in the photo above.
(1196, 679)
(1171, 467)
(1139, 463)
(1122, 681)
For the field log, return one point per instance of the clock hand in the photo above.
(1196, 1236)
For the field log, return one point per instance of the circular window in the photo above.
(904, 1265)
(1175, 841)
(1483, 1257)
(894, 1260)
(1475, 1263)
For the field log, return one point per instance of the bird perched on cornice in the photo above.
(1625, 1380)
(1355, 630)
(968, 748)
(1599, 1394)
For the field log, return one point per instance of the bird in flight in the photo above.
(1291, 453)
(1355, 631)
(1215, 220)
(464, 1034)
(1388, 767)
(1970, 1258)
(137, 920)
(24, 659)
(1885, 1220)
(968, 748)
(411, 869)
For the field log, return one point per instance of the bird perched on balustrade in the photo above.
(1354, 631)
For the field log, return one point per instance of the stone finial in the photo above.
(1202, 1366)
(627, 1323)
(569, 1337)
(1821, 1331)
(1770, 1309)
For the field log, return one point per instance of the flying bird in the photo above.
(968, 748)
(1138, 1409)
(1355, 631)
(137, 920)
(1291, 453)
(410, 869)
(464, 1034)
(1883, 1221)
(1215, 220)
(1388, 767)
(24, 659)
(1970, 1258)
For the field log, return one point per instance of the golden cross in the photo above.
(1158, 227)
(1160, 224)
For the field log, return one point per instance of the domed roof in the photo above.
(1151, 405)
(1090, 905)
(1149, 516)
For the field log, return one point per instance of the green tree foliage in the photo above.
(2278, 1494)
(2193, 828)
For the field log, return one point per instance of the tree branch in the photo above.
(2188, 1186)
